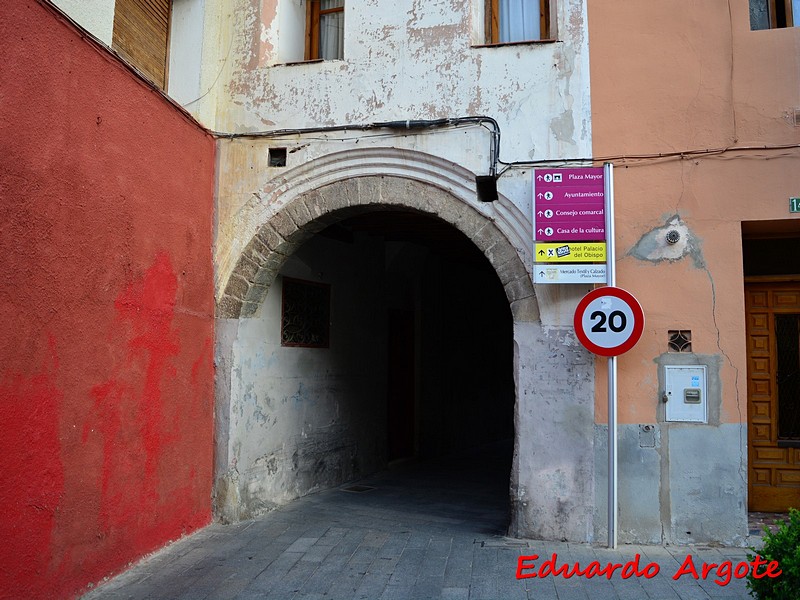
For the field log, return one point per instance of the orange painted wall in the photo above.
(106, 304)
(689, 79)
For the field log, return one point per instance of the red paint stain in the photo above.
(149, 306)
(130, 404)
(32, 481)
(205, 360)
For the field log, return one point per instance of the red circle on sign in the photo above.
(628, 339)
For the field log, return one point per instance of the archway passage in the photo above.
(384, 336)
(449, 336)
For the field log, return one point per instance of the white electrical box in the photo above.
(686, 394)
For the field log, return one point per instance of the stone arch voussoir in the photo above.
(311, 212)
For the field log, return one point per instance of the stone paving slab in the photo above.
(406, 539)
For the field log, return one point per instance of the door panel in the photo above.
(773, 392)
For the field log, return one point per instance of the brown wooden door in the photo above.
(773, 392)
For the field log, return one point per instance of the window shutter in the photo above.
(141, 33)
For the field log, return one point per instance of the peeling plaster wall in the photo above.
(410, 59)
(416, 59)
(552, 480)
(402, 60)
(693, 77)
(304, 419)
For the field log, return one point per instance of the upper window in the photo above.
(141, 36)
(517, 21)
(774, 14)
(325, 29)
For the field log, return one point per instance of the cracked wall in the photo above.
(672, 99)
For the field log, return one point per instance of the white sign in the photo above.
(557, 273)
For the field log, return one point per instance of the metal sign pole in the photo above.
(611, 279)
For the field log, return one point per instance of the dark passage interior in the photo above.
(420, 350)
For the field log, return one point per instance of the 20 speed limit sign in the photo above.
(609, 321)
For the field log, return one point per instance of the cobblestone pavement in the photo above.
(430, 530)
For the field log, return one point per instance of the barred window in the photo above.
(305, 313)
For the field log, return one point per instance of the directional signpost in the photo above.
(573, 235)
(569, 206)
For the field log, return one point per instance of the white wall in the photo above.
(403, 59)
(186, 50)
(95, 16)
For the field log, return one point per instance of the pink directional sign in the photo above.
(569, 196)
(569, 205)
(569, 232)
(581, 176)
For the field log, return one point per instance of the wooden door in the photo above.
(773, 392)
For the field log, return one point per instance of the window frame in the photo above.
(789, 19)
(313, 15)
(492, 22)
(788, 15)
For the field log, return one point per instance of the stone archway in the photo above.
(552, 478)
(309, 213)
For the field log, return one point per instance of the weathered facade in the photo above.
(301, 418)
(698, 111)
(372, 247)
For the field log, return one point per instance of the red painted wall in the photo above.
(106, 307)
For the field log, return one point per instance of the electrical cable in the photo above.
(418, 126)
(398, 126)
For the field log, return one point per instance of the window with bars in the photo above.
(305, 313)
(325, 30)
(509, 21)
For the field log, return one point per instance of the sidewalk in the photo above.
(433, 531)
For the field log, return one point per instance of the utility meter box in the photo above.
(686, 393)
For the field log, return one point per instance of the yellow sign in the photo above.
(569, 252)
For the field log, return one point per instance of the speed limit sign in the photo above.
(609, 321)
